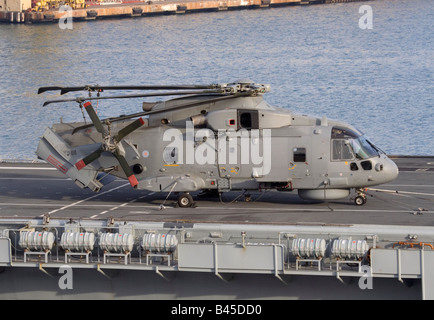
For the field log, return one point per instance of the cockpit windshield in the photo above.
(363, 148)
(349, 144)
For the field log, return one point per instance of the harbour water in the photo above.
(316, 58)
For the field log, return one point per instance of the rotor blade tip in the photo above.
(87, 104)
(142, 121)
(80, 165)
(133, 181)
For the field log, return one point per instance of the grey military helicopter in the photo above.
(215, 138)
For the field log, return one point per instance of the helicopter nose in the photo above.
(390, 170)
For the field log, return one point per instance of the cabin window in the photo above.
(299, 154)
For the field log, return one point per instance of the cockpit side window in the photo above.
(341, 147)
(347, 144)
(341, 150)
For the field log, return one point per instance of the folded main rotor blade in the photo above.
(185, 105)
(127, 170)
(155, 94)
(89, 158)
(44, 89)
(58, 101)
(94, 117)
(64, 90)
(128, 129)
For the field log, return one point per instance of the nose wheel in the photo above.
(360, 198)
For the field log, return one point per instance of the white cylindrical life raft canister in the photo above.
(116, 242)
(36, 240)
(77, 241)
(161, 243)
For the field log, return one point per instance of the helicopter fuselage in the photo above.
(242, 144)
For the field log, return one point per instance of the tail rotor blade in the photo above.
(88, 159)
(94, 117)
(128, 129)
(127, 170)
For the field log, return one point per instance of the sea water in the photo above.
(321, 60)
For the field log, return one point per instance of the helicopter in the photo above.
(213, 138)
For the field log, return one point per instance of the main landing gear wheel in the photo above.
(185, 200)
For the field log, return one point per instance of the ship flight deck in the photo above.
(37, 189)
(128, 243)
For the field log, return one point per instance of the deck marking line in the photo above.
(92, 197)
(119, 206)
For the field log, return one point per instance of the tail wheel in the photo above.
(185, 200)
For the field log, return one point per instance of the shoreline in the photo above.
(151, 8)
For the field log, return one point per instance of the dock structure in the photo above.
(100, 10)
